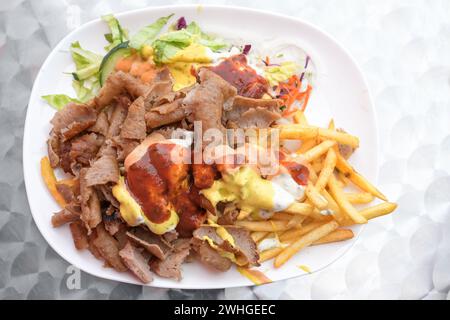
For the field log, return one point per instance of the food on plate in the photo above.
(181, 146)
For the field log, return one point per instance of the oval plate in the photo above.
(340, 92)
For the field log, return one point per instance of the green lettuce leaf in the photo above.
(147, 34)
(87, 63)
(86, 90)
(168, 44)
(280, 73)
(117, 35)
(58, 101)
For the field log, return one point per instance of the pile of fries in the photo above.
(325, 211)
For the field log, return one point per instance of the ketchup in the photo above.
(148, 181)
(238, 73)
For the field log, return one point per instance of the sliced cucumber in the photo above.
(110, 60)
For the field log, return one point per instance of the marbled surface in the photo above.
(403, 48)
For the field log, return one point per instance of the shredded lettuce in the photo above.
(147, 34)
(279, 73)
(87, 63)
(168, 44)
(117, 35)
(86, 90)
(58, 101)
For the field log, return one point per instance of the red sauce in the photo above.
(238, 73)
(298, 172)
(188, 206)
(151, 180)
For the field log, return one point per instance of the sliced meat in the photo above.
(206, 101)
(118, 116)
(204, 175)
(112, 224)
(245, 248)
(90, 204)
(65, 216)
(116, 84)
(228, 214)
(124, 147)
(84, 149)
(65, 160)
(73, 119)
(170, 267)
(165, 114)
(79, 235)
(170, 236)
(159, 91)
(134, 126)
(105, 191)
(136, 262)
(256, 118)
(103, 171)
(150, 242)
(108, 248)
(53, 149)
(101, 125)
(66, 191)
(247, 112)
(210, 257)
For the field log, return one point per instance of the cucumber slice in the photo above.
(110, 59)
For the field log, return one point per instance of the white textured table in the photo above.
(404, 50)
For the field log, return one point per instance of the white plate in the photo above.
(340, 91)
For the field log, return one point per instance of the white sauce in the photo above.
(268, 243)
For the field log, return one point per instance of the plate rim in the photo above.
(248, 10)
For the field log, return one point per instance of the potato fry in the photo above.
(282, 216)
(335, 236)
(333, 206)
(318, 150)
(340, 198)
(243, 214)
(340, 137)
(296, 221)
(299, 118)
(259, 235)
(361, 182)
(297, 132)
(307, 145)
(317, 165)
(315, 197)
(327, 169)
(50, 181)
(299, 208)
(268, 226)
(269, 254)
(304, 241)
(343, 179)
(378, 210)
(360, 198)
(294, 234)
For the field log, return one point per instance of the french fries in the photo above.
(267, 226)
(378, 210)
(327, 169)
(361, 182)
(318, 150)
(327, 207)
(304, 241)
(299, 208)
(359, 198)
(335, 236)
(340, 198)
(315, 197)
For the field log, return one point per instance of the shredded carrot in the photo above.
(50, 180)
(290, 92)
(138, 68)
(267, 61)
